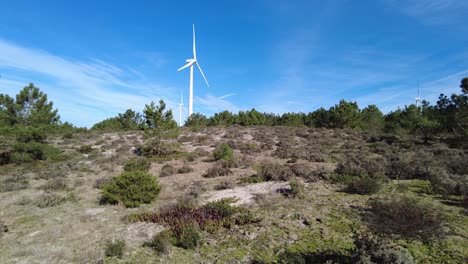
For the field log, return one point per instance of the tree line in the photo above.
(448, 116)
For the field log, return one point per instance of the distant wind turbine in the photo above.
(418, 99)
(181, 105)
(190, 63)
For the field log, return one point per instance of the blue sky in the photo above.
(95, 59)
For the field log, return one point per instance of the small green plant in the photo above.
(296, 188)
(137, 164)
(114, 248)
(131, 188)
(162, 242)
(189, 237)
(224, 152)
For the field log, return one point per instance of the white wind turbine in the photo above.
(418, 99)
(190, 63)
(181, 105)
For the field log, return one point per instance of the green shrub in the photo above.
(162, 242)
(30, 134)
(363, 184)
(156, 147)
(224, 152)
(378, 250)
(167, 170)
(189, 237)
(131, 188)
(405, 216)
(137, 164)
(25, 152)
(85, 149)
(115, 248)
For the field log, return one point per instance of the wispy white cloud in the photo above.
(433, 12)
(85, 92)
(216, 104)
(226, 96)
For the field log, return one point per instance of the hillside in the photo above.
(296, 198)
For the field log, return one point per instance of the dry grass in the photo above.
(52, 212)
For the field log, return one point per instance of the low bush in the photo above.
(114, 248)
(355, 165)
(14, 183)
(137, 164)
(155, 147)
(364, 184)
(224, 185)
(55, 185)
(167, 170)
(302, 170)
(223, 152)
(446, 183)
(53, 199)
(378, 250)
(131, 188)
(183, 221)
(85, 149)
(274, 172)
(162, 242)
(296, 188)
(405, 216)
(217, 170)
(189, 237)
(101, 182)
(184, 169)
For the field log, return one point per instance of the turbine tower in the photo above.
(190, 63)
(181, 105)
(418, 99)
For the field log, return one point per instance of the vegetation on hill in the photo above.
(345, 185)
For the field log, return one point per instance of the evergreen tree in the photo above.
(157, 117)
(30, 108)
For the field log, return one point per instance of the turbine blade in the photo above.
(194, 49)
(202, 74)
(185, 66)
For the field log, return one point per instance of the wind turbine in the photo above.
(190, 63)
(181, 105)
(418, 99)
